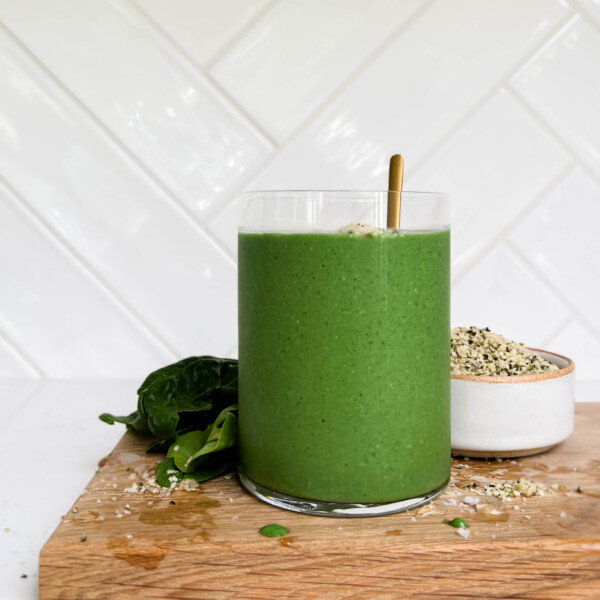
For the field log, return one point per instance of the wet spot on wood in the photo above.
(147, 558)
(287, 540)
(190, 512)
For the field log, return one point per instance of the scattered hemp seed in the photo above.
(360, 229)
(75, 509)
(475, 351)
(579, 490)
(515, 489)
(83, 538)
(471, 500)
(368, 231)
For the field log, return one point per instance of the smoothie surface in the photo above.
(344, 366)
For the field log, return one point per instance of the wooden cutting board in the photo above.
(205, 543)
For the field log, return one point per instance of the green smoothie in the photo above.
(344, 367)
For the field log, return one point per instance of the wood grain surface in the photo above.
(205, 543)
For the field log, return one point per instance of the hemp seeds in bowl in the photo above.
(507, 400)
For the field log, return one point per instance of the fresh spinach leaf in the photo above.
(133, 421)
(192, 402)
(273, 530)
(158, 446)
(187, 445)
(215, 465)
(218, 464)
(456, 522)
(181, 397)
(165, 471)
(190, 450)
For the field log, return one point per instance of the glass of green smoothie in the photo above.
(344, 365)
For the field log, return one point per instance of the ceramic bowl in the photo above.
(513, 416)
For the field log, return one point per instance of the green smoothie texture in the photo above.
(344, 365)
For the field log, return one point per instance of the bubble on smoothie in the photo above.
(360, 229)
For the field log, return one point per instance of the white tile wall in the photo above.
(555, 241)
(145, 93)
(592, 6)
(280, 88)
(128, 126)
(510, 174)
(502, 292)
(561, 84)
(203, 27)
(50, 307)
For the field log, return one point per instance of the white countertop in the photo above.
(50, 443)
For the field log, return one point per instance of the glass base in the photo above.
(334, 509)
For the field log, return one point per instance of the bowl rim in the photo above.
(522, 378)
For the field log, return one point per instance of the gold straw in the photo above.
(394, 189)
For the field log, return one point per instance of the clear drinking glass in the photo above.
(344, 366)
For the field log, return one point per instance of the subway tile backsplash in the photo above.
(127, 127)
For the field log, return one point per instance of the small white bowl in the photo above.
(513, 416)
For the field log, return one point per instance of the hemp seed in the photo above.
(475, 351)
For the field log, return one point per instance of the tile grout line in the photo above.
(359, 70)
(89, 271)
(195, 70)
(97, 125)
(23, 356)
(450, 132)
(456, 126)
(324, 105)
(557, 330)
(582, 10)
(228, 98)
(521, 215)
(521, 259)
(530, 109)
(243, 30)
(558, 138)
(549, 283)
(503, 83)
(579, 320)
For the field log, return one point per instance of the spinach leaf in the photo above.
(181, 397)
(133, 421)
(187, 445)
(273, 530)
(192, 402)
(190, 450)
(165, 471)
(218, 464)
(215, 465)
(158, 446)
(456, 522)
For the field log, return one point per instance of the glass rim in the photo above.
(420, 193)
